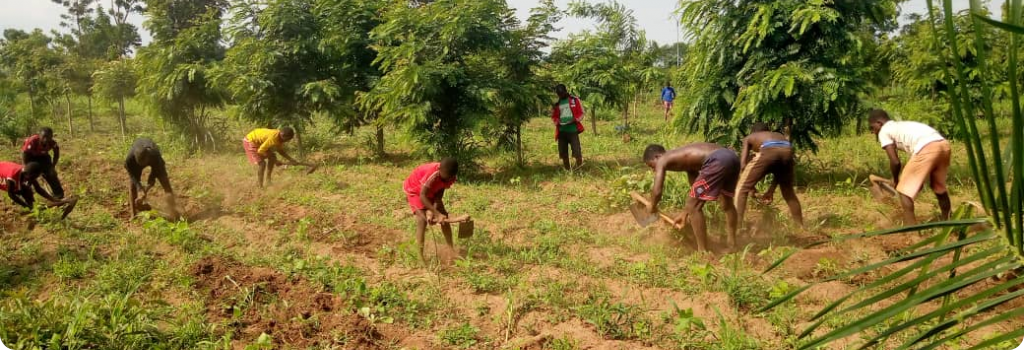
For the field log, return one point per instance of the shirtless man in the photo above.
(773, 155)
(712, 170)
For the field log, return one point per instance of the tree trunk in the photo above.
(298, 139)
(121, 119)
(32, 104)
(380, 140)
(593, 119)
(856, 130)
(71, 125)
(519, 145)
(92, 123)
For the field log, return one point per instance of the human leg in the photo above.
(731, 218)
(577, 149)
(421, 231)
(563, 150)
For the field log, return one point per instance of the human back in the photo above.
(908, 136)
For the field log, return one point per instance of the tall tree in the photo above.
(186, 45)
(522, 92)
(438, 71)
(793, 63)
(28, 57)
(291, 59)
(116, 81)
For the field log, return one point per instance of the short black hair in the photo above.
(561, 88)
(450, 166)
(32, 169)
(46, 130)
(877, 115)
(759, 126)
(287, 132)
(653, 151)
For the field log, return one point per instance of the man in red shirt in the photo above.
(567, 114)
(19, 181)
(36, 149)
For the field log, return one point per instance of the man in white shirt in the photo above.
(929, 159)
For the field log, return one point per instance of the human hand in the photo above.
(767, 198)
(680, 221)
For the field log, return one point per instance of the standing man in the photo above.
(668, 96)
(773, 155)
(929, 160)
(36, 149)
(144, 153)
(261, 145)
(567, 114)
(712, 171)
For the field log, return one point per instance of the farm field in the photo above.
(328, 260)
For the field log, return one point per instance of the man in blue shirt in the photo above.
(668, 95)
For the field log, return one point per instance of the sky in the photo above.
(655, 16)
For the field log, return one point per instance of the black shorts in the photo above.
(566, 139)
(717, 176)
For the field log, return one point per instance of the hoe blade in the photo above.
(643, 218)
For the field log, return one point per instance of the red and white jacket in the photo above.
(577, 114)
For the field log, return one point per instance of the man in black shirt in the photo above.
(144, 153)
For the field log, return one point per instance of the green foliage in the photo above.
(799, 65)
(113, 321)
(611, 66)
(291, 59)
(438, 64)
(186, 45)
(918, 68)
(615, 320)
(463, 336)
(28, 59)
(174, 232)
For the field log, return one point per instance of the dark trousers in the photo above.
(49, 173)
(566, 139)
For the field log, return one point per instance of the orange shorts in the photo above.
(932, 164)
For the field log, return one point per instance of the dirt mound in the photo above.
(255, 300)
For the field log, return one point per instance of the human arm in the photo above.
(744, 153)
(16, 197)
(160, 173)
(894, 162)
(42, 191)
(134, 172)
(56, 154)
(431, 204)
(657, 187)
(280, 149)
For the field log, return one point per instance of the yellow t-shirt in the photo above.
(265, 140)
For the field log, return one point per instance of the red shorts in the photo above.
(252, 152)
(414, 202)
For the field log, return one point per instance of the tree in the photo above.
(29, 58)
(917, 69)
(610, 66)
(522, 92)
(793, 63)
(115, 82)
(437, 65)
(291, 59)
(186, 45)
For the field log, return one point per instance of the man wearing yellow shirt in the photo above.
(260, 146)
